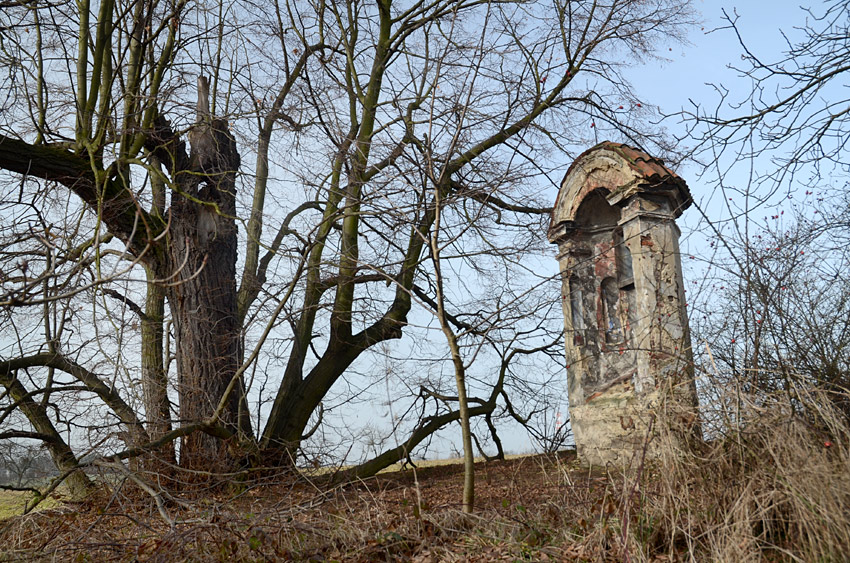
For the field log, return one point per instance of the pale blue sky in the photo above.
(690, 74)
(692, 67)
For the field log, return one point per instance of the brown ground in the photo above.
(527, 509)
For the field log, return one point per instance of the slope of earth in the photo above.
(534, 508)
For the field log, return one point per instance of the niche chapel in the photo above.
(628, 349)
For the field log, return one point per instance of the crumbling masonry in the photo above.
(627, 343)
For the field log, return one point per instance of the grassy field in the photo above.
(13, 503)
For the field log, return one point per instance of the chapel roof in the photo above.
(651, 168)
(637, 172)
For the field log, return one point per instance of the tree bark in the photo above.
(154, 369)
(154, 376)
(203, 295)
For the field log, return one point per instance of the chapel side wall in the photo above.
(664, 354)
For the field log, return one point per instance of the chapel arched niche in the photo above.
(599, 277)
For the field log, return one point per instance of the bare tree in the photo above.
(772, 310)
(797, 112)
(339, 106)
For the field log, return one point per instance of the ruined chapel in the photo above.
(628, 349)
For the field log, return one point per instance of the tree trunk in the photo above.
(457, 360)
(203, 296)
(154, 377)
(154, 369)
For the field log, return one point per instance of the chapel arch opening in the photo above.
(595, 213)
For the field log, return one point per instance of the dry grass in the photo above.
(400, 516)
(768, 489)
(775, 486)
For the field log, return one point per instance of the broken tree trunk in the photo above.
(203, 295)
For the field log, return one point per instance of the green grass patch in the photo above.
(13, 503)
